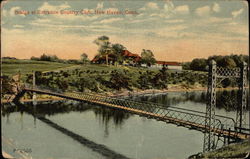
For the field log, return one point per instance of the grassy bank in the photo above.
(103, 78)
(12, 66)
(237, 150)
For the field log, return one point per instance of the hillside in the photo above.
(102, 78)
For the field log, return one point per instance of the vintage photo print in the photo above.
(124, 79)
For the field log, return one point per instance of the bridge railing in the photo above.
(227, 122)
(167, 112)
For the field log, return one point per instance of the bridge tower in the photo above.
(218, 74)
(34, 86)
(242, 108)
(209, 136)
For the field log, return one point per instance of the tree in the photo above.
(198, 64)
(146, 80)
(147, 57)
(227, 62)
(117, 50)
(186, 66)
(84, 58)
(52, 58)
(104, 46)
(119, 80)
(160, 79)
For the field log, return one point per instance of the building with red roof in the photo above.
(134, 60)
(129, 58)
(169, 64)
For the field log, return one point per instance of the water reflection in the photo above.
(228, 100)
(107, 114)
(99, 148)
(59, 107)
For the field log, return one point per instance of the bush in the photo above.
(120, 80)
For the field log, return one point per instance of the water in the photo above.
(73, 130)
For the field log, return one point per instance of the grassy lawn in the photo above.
(11, 67)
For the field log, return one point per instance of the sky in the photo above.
(173, 30)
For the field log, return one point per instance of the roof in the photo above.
(168, 63)
(101, 58)
(125, 53)
(129, 54)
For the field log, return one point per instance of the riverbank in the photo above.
(126, 93)
(38, 99)
(138, 92)
(236, 150)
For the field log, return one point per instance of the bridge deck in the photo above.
(198, 125)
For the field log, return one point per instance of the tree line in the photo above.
(53, 58)
(229, 61)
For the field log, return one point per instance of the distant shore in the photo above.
(157, 91)
(126, 93)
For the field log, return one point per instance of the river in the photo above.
(74, 130)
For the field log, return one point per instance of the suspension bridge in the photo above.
(208, 122)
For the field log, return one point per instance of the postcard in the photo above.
(124, 79)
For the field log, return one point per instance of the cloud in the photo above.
(99, 5)
(48, 7)
(111, 20)
(4, 12)
(13, 9)
(218, 20)
(168, 6)
(6, 31)
(216, 7)
(203, 11)
(150, 6)
(42, 20)
(237, 12)
(18, 26)
(174, 20)
(240, 30)
(182, 9)
(169, 32)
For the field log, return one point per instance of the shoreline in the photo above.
(38, 100)
(157, 91)
(126, 93)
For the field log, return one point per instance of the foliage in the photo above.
(198, 64)
(147, 57)
(86, 83)
(104, 46)
(145, 80)
(84, 58)
(117, 51)
(160, 79)
(119, 80)
(54, 58)
(6, 85)
(186, 66)
(228, 61)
